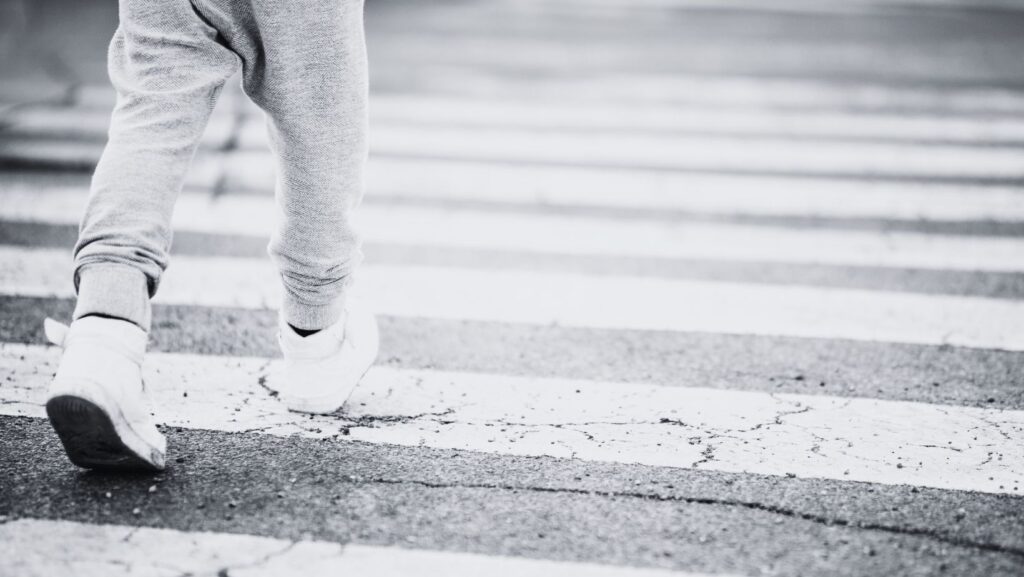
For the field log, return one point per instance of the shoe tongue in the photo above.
(56, 332)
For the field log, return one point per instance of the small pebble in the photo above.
(107, 495)
(152, 488)
(136, 511)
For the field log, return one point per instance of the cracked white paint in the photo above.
(576, 300)
(575, 235)
(851, 439)
(47, 548)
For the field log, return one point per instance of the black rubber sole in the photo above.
(89, 437)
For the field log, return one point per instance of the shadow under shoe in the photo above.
(96, 401)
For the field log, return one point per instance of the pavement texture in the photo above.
(541, 508)
(951, 71)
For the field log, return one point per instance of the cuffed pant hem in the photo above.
(114, 290)
(312, 317)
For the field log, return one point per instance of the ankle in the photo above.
(113, 290)
(111, 317)
(304, 332)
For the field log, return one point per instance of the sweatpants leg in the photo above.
(304, 64)
(167, 67)
(317, 118)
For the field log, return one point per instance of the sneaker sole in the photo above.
(89, 437)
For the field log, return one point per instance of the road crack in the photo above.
(750, 505)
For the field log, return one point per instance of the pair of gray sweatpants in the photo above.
(304, 63)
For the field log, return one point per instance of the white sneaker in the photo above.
(321, 370)
(96, 402)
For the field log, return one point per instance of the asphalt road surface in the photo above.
(665, 288)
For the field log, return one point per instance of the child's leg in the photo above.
(168, 68)
(314, 90)
(304, 63)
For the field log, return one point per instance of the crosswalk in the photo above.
(649, 324)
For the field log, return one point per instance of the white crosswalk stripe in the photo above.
(574, 235)
(101, 550)
(818, 436)
(573, 300)
(700, 153)
(700, 194)
(598, 187)
(688, 91)
(549, 116)
(656, 152)
(402, 109)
